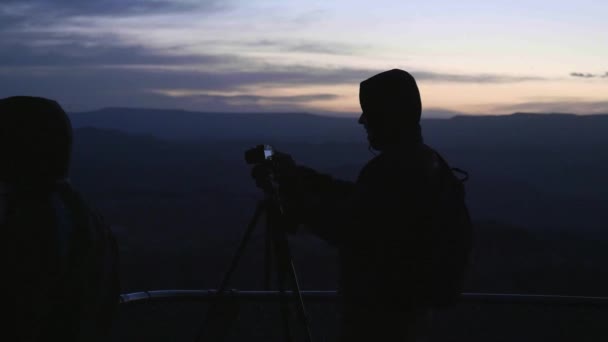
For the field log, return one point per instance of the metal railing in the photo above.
(177, 315)
(330, 296)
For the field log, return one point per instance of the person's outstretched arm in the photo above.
(316, 200)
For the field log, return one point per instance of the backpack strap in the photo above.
(93, 278)
(462, 172)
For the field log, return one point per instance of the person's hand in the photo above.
(261, 174)
(284, 169)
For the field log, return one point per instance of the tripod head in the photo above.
(266, 156)
(259, 154)
(271, 170)
(261, 159)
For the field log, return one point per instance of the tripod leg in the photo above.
(284, 306)
(242, 246)
(267, 258)
(286, 268)
(272, 214)
(213, 309)
(290, 271)
(302, 315)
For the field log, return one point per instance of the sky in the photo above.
(474, 57)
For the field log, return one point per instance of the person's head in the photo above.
(35, 140)
(391, 108)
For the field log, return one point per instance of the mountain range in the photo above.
(531, 170)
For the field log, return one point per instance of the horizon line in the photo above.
(440, 114)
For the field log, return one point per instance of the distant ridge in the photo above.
(542, 171)
(535, 115)
(147, 111)
(531, 114)
(186, 125)
(177, 124)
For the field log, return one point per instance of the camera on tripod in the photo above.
(259, 154)
(266, 161)
(270, 164)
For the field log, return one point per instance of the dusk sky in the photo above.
(478, 57)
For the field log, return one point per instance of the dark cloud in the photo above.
(258, 99)
(304, 47)
(25, 14)
(582, 75)
(86, 87)
(10, 21)
(55, 53)
(566, 106)
(70, 51)
(158, 78)
(588, 75)
(472, 78)
(251, 103)
(321, 49)
(109, 76)
(438, 113)
(91, 71)
(107, 7)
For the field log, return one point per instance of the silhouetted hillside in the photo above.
(179, 208)
(184, 125)
(509, 130)
(187, 201)
(536, 183)
(522, 130)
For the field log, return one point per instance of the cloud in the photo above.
(327, 48)
(473, 78)
(10, 20)
(91, 69)
(280, 99)
(250, 103)
(25, 8)
(73, 71)
(439, 113)
(60, 53)
(129, 79)
(101, 75)
(588, 75)
(90, 87)
(575, 106)
(79, 55)
(580, 74)
(19, 15)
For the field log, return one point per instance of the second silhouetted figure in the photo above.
(61, 258)
(402, 228)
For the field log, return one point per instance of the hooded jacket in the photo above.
(61, 258)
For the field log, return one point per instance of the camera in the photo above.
(270, 167)
(259, 154)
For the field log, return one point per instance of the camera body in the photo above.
(259, 154)
(270, 164)
(273, 172)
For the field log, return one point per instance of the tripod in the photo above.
(276, 243)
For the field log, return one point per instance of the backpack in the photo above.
(451, 242)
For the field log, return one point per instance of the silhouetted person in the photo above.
(61, 259)
(387, 226)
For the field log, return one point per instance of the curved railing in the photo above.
(177, 315)
(328, 296)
